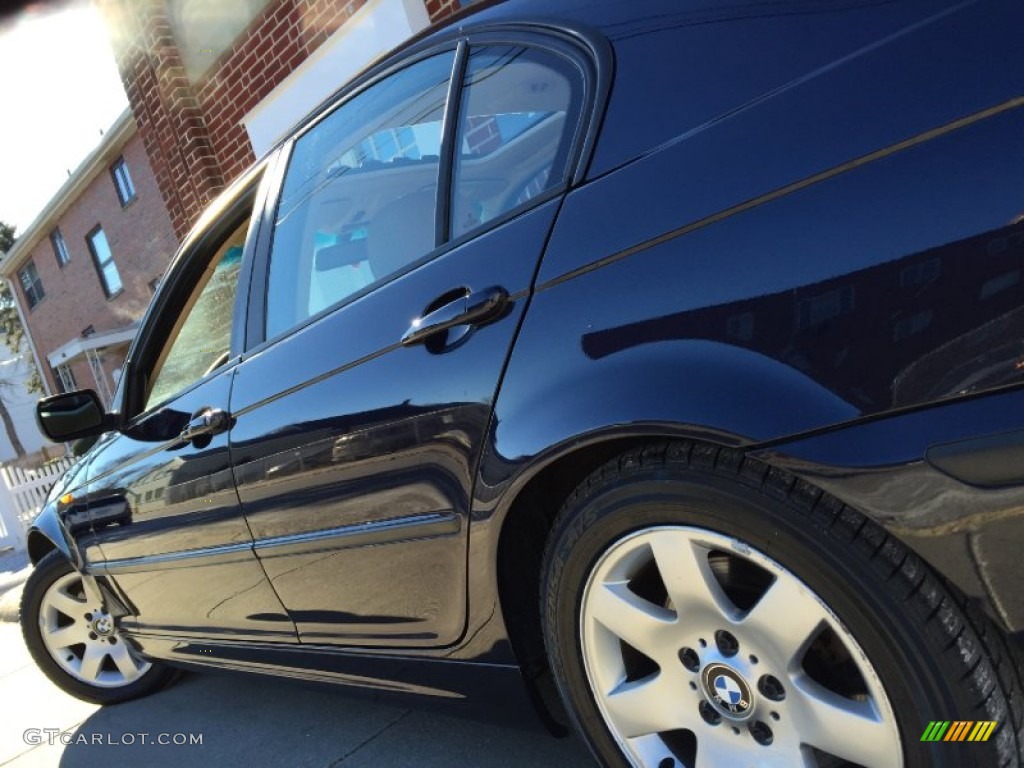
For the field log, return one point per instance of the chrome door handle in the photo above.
(477, 308)
(211, 421)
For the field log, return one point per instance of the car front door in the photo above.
(396, 282)
(161, 496)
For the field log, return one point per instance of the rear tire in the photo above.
(701, 609)
(77, 644)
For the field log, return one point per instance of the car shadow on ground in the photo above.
(265, 721)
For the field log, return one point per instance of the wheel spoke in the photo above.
(65, 636)
(70, 606)
(92, 659)
(718, 746)
(124, 661)
(688, 577)
(651, 750)
(651, 705)
(788, 615)
(640, 623)
(851, 730)
(91, 590)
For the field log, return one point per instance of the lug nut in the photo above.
(727, 644)
(710, 715)
(92, 635)
(762, 733)
(771, 688)
(690, 659)
(88, 617)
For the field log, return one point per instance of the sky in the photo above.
(60, 88)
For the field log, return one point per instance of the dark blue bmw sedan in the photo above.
(665, 374)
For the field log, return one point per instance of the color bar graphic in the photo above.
(959, 730)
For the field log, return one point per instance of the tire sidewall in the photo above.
(890, 634)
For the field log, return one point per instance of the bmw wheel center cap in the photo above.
(727, 691)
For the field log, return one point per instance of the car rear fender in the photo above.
(554, 395)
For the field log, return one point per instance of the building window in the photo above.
(60, 248)
(110, 278)
(912, 325)
(123, 182)
(31, 284)
(65, 378)
(999, 284)
(921, 273)
(826, 306)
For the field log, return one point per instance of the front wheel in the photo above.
(75, 641)
(703, 611)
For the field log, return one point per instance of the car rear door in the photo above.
(161, 495)
(393, 292)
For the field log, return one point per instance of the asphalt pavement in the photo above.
(207, 719)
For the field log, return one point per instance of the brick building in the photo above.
(210, 87)
(85, 269)
(213, 85)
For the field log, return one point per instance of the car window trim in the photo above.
(590, 52)
(367, 81)
(256, 324)
(180, 274)
(255, 293)
(449, 130)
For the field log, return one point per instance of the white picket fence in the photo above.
(22, 493)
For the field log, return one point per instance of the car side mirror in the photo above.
(71, 415)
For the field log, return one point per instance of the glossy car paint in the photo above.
(393, 467)
(870, 266)
(798, 233)
(169, 526)
(165, 519)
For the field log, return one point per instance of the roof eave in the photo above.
(95, 162)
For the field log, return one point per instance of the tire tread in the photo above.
(992, 668)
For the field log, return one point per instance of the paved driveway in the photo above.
(246, 720)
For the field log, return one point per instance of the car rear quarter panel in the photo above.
(845, 245)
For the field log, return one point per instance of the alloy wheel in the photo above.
(701, 651)
(82, 637)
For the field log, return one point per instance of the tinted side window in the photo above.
(201, 339)
(358, 200)
(517, 119)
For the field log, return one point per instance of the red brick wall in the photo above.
(142, 242)
(163, 102)
(439, 9)
(280, 38)
(193, 132)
